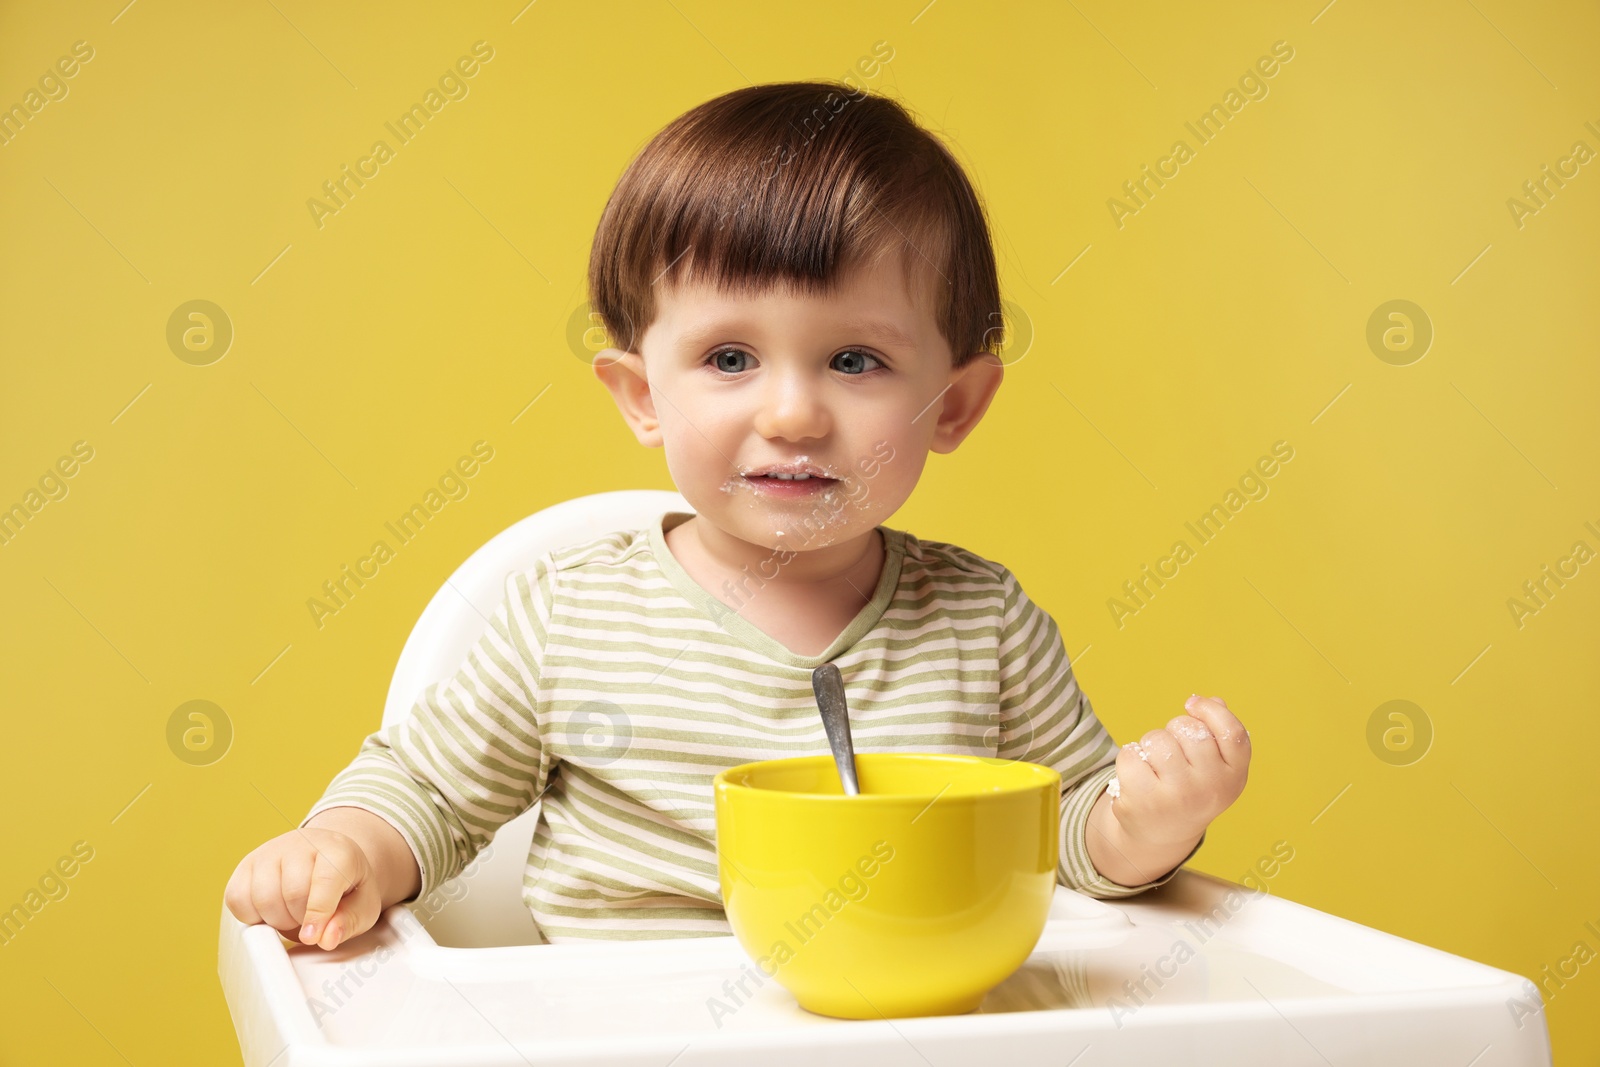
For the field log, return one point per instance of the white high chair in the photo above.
(447, 629)
(463, 980)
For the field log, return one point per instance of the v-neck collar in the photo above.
(748, 633)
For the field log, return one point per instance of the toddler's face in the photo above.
(855, 387)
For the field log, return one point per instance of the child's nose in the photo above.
(791, 409)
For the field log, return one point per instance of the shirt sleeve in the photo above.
(468, 757)
(1045, 718)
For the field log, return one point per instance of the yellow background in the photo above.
(1228, 314)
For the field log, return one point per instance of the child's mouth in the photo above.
(797, 486)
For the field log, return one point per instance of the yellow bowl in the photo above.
(915, 897)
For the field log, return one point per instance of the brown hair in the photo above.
(788, 184)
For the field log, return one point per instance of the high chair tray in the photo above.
(1199, 971)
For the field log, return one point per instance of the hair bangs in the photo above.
(788, 186)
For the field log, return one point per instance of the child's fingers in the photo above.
(296, 865)
(357, 912)
(1134, 770)
(1167, 759)
(1233, 740)
(1196, 740)
(238, 895)
(266, 893)
(329, 883)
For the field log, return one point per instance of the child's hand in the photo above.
(313, 885)
(1187, 774)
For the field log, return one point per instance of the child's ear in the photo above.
(971, 389)
(623, 374)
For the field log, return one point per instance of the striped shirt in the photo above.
(610, 688)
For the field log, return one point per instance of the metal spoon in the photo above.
(829, 688)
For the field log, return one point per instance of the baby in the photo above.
(802, 288)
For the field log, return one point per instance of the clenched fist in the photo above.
(327, 882)
(1175, 780)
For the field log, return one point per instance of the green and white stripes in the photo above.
(610, 688)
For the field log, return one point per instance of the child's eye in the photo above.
(854, 362)
(727, 360)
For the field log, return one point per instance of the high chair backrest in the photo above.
(483, 905)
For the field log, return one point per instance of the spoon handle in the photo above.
(829, 689)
